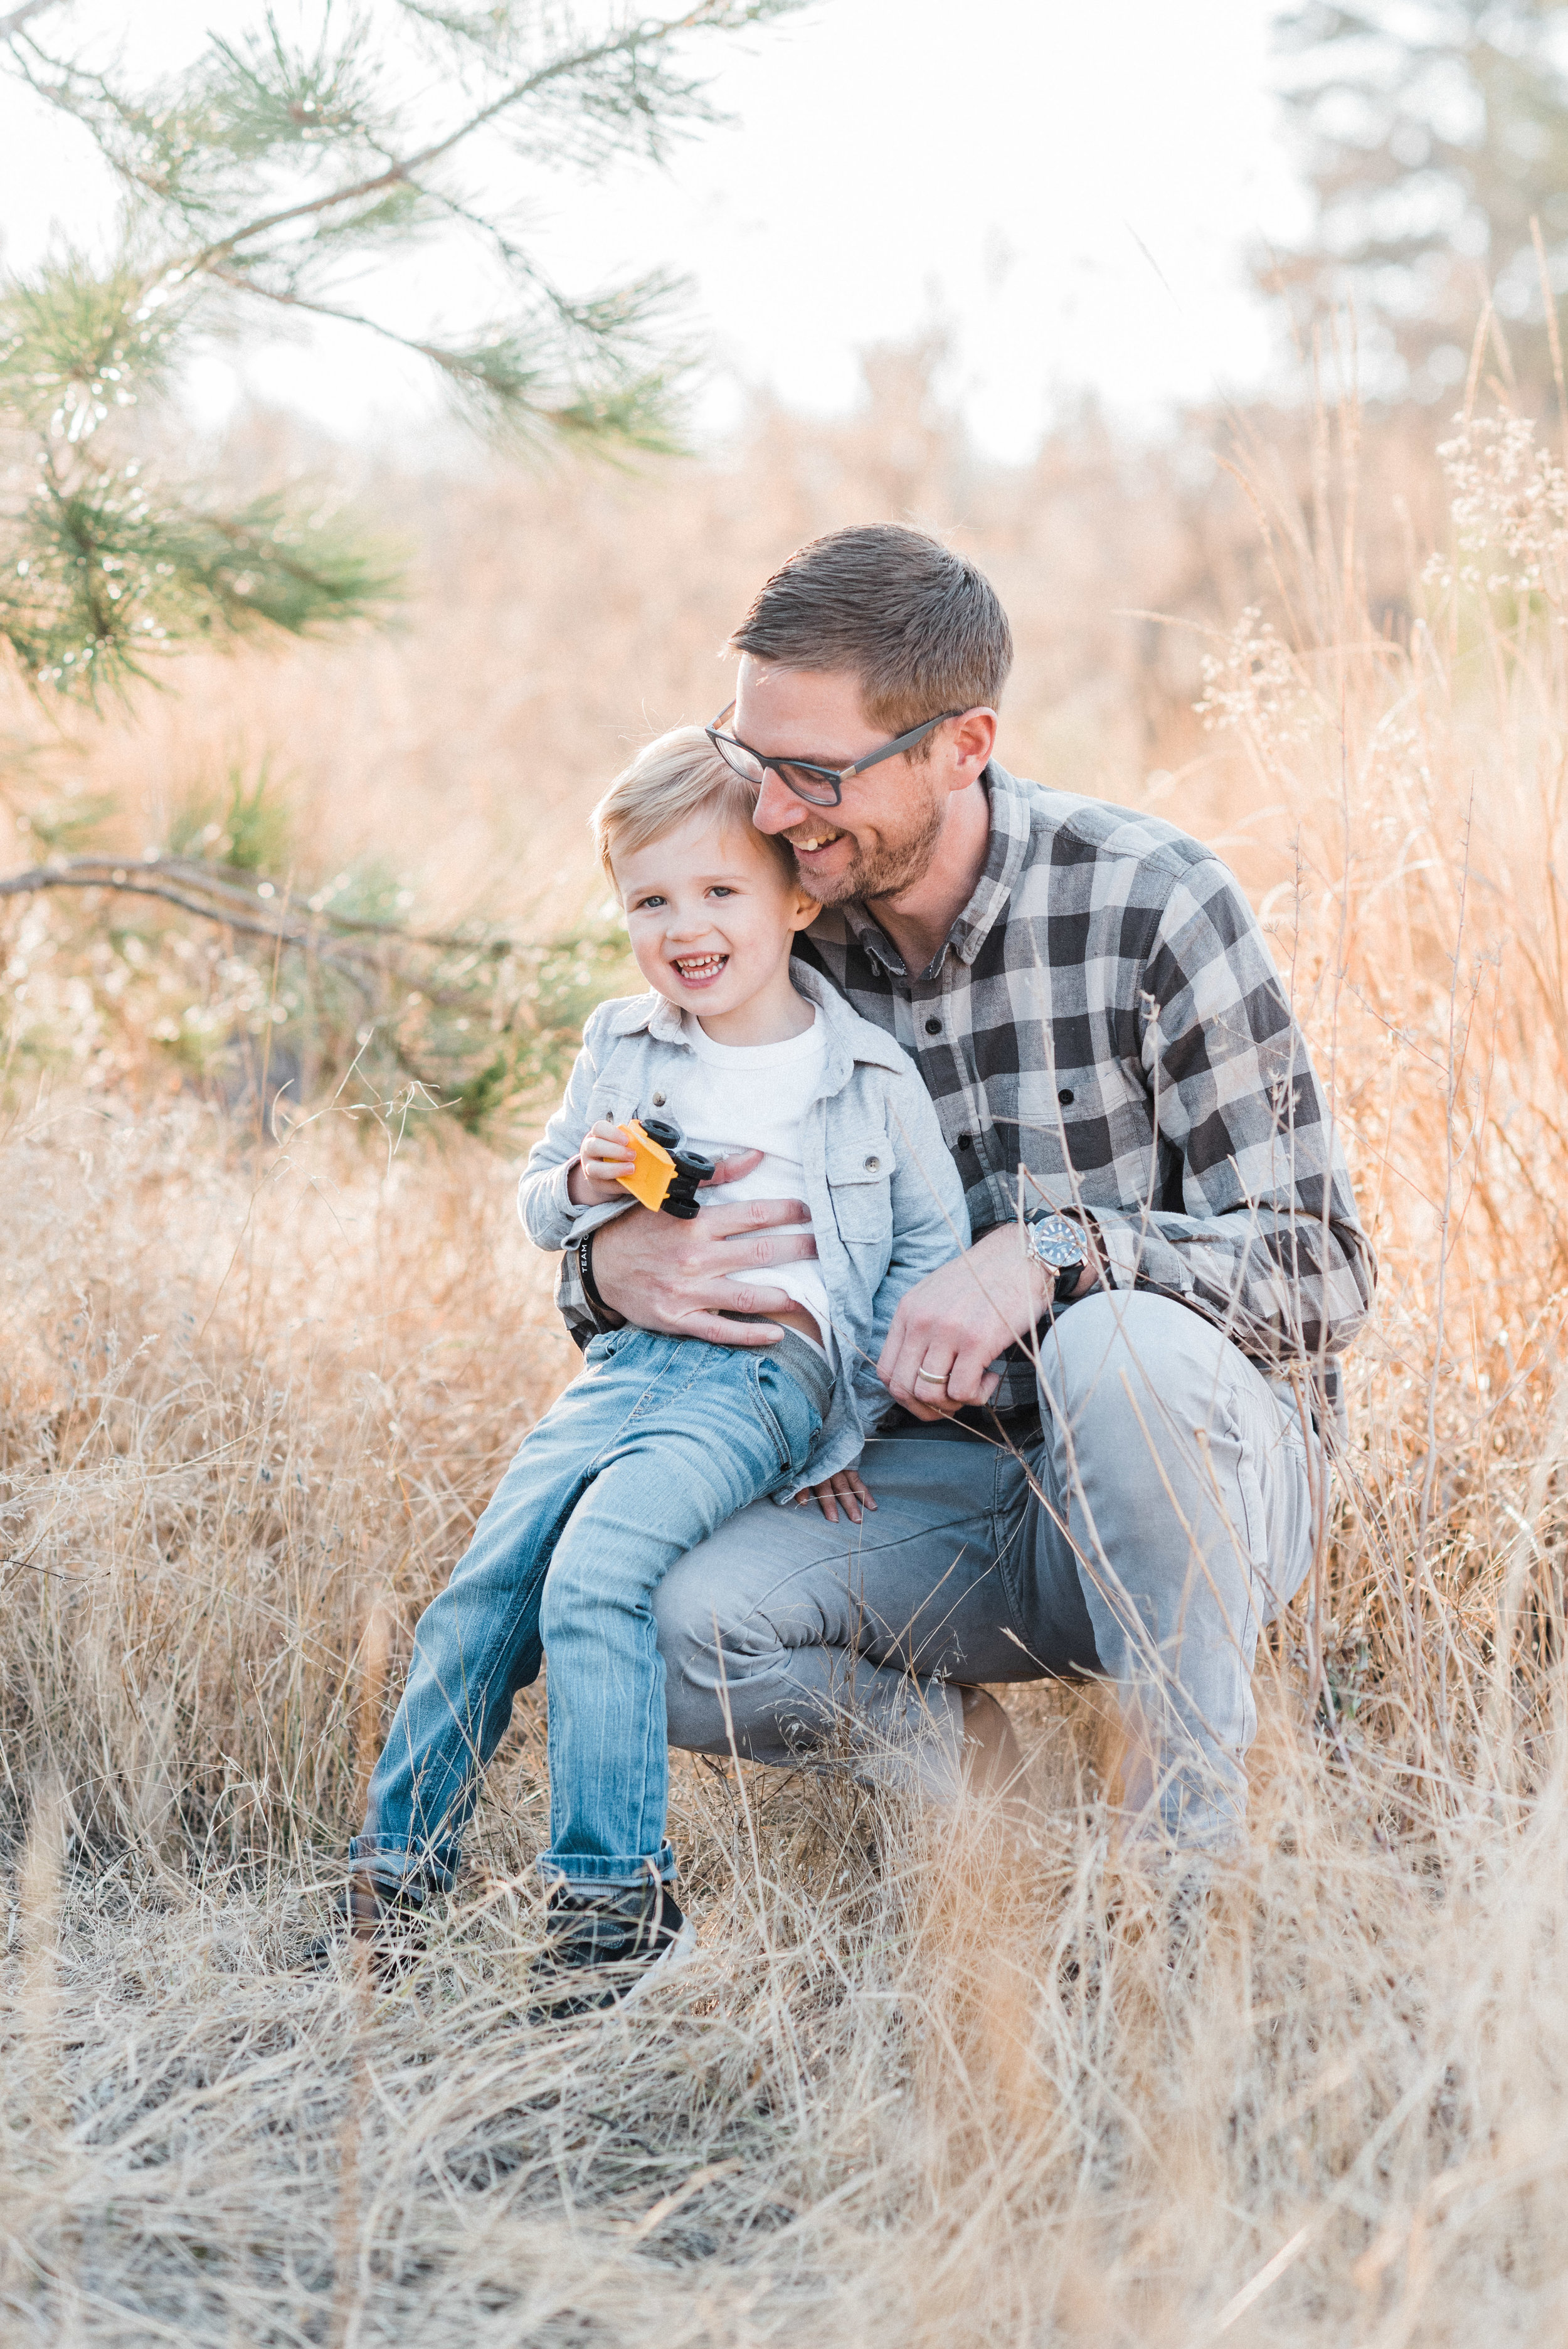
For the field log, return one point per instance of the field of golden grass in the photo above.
(921, 2086)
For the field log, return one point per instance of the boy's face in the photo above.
(712, 914)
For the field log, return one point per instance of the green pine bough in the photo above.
(278, 177)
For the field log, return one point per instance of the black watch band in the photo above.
(602, 1313)
(1067, 1287)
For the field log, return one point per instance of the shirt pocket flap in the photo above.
(859, 1169)
(860, 1158)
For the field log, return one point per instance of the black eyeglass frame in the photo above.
(833, 778)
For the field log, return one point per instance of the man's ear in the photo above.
(973, 740)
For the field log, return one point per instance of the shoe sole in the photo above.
(668, 1961)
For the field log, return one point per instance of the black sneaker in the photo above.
(384, 1915)
(603, 1949)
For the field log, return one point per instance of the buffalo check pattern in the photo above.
(1105, 1033)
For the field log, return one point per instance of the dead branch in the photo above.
(341, 942)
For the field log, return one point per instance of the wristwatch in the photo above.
(1060, 1245)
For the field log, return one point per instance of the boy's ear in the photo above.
(806, 911)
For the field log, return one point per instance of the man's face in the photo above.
(883, 838)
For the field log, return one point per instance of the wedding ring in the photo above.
(937, 1378)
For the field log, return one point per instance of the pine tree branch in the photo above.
(254, 174)
(643, 426)
(651, 33)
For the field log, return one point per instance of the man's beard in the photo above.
(884, 870)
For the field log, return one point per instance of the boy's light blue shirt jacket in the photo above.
(887, 1205)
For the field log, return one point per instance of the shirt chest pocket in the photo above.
(860, 1174)
(1051, 1121)
(611, 1103)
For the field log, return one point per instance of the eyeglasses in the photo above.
(818, 786)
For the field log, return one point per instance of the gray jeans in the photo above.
(1157, 1520)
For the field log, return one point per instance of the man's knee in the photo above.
(1129, 1371)
(691, 1641)
(713, 1639)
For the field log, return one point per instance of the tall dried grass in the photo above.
(916, 2088)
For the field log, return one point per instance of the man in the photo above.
(1109, 1455)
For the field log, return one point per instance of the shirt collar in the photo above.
(1003, 856)
(653, 1013)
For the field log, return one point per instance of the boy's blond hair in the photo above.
(670, 781)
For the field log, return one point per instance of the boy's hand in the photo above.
(605, 1155)
(847, 1486)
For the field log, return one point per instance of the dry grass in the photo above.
(912, 2091)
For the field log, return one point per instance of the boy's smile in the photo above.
(701, 970)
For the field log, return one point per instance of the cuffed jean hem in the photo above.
(419, 1872)
(581, 1868)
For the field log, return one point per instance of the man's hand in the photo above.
(661, 1273)
(961, 1317)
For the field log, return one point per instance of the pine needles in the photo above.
(277, 173)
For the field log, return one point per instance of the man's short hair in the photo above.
(919, 625)
(678, 776)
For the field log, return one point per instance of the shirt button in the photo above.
(967, 1141)
(933, 1026)
(871, 1166)
(658, 1101)
(1065, 1098)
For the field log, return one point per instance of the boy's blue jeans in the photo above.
(655, 1447)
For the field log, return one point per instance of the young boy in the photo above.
(662, 1439)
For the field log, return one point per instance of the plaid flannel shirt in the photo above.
(1104, 1033)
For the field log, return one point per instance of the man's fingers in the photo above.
(730, 1170)
(771, 1247)
(900, 1376)
(751, 1248)
(720, 1333)
(967, 1381)
(752, 1215)
(740, 1297)
(970, 1383)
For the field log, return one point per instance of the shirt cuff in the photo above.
(1120, 1250)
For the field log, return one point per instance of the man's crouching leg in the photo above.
(1182, 1487)
(784, 1634)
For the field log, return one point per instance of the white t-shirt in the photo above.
(731, 1097)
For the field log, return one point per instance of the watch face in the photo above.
(1057, 1243)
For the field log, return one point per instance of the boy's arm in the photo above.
(550, 1216)
(929, 1215)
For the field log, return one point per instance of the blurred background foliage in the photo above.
(403, 684)
(1434, 134)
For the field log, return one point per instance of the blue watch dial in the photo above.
(1056, 1242)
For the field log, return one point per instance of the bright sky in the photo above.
(1069, 191)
